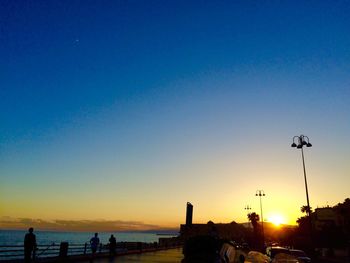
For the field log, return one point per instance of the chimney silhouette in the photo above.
(189, 214)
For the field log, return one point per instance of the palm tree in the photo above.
(254, 219)
(304, 222)
(305, 209)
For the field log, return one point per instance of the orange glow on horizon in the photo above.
(276, 219)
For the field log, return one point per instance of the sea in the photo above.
(16, 237)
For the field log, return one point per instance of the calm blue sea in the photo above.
(16, 237)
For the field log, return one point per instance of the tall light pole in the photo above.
(261, 193)
(299, 142)
(248, 208)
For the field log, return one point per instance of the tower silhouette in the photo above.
(189, 214)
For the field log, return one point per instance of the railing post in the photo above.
(85, 248)
(100, 248)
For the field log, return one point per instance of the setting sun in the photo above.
(276, 219)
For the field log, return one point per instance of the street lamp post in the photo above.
(248, 208)
(301, 142)
(261, 193)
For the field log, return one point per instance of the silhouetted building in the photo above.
(189, 214)
(231, 231)
(327, 216)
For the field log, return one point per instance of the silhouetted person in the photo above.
(112, 245)
(94, 242)
(29, 245)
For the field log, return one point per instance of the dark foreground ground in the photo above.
(175, 256)
(161, 256)
(333, 260)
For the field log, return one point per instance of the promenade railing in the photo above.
(47, 250)
(15, 252)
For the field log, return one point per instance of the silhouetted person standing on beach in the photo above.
(29, 245)
(112, 245)
(94, 242)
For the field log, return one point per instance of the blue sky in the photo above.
(128, 100)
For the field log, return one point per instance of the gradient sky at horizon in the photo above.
(126, 110)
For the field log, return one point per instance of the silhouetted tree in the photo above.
(326, 233)
(343, 209)
(305, 209)
(254, 219)
(338, 234)
(304, 221)
(303, 225)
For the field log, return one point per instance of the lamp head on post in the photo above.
(247, 207)
(302, 140)
(259, 193)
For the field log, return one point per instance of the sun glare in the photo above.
(276, 219)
